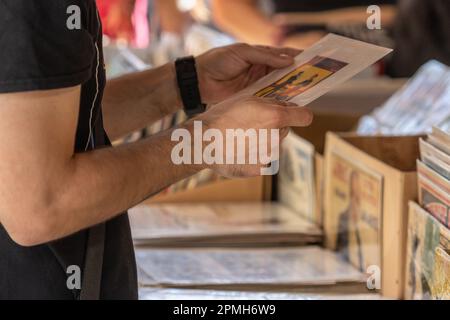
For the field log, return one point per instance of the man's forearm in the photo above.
(133, 101)
(95, 186)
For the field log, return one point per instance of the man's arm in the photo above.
(244, 20)
(133, 101)
(48, 192)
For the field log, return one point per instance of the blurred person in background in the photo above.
(125, 21)
(130, 21)
(421, 33)
(271, 22)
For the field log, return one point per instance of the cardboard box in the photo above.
(315, 135)
(358, 97)
(235, 190)
(368, 184)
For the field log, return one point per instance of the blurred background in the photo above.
(164, 29)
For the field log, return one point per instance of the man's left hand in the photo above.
(225, 71)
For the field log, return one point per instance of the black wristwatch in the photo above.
(188, 84)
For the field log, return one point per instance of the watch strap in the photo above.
(187, 80)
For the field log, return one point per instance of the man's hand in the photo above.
(225, 71)
(258, 114)
(133, 101)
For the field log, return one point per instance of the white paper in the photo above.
(355, 55)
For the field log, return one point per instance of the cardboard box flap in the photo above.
(250, 189)
(369, 181)
(399, 152)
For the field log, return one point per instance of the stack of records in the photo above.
(192, 294)
(428, 251)
(220, 225)
(422, 103)
(246, 269)
(434, 175)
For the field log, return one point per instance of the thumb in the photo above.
(296, 116)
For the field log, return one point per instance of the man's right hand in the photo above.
(258, 114)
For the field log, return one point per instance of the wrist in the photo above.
(178, 103)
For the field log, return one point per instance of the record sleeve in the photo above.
(355, 217)
(249, 268)
(220, 224)
(427, 275)
(318, 69)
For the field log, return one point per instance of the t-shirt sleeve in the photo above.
(39, 49)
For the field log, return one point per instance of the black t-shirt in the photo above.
(40, 50)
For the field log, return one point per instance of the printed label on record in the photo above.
(302, 78)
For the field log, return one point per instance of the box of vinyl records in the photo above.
(368, 184)
(434, 175)
(300, 180)
(427, 256)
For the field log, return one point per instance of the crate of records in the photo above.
(300, 180)
(428, 246)
(370, 177)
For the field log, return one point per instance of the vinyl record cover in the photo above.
(317, 70)
(434, 193)
(356, 212)
(440, 137)
(220, 224)
(250, 268)
(436, 159)
(302, 78)
(296, 185)
(441, 285)
(427, 275)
